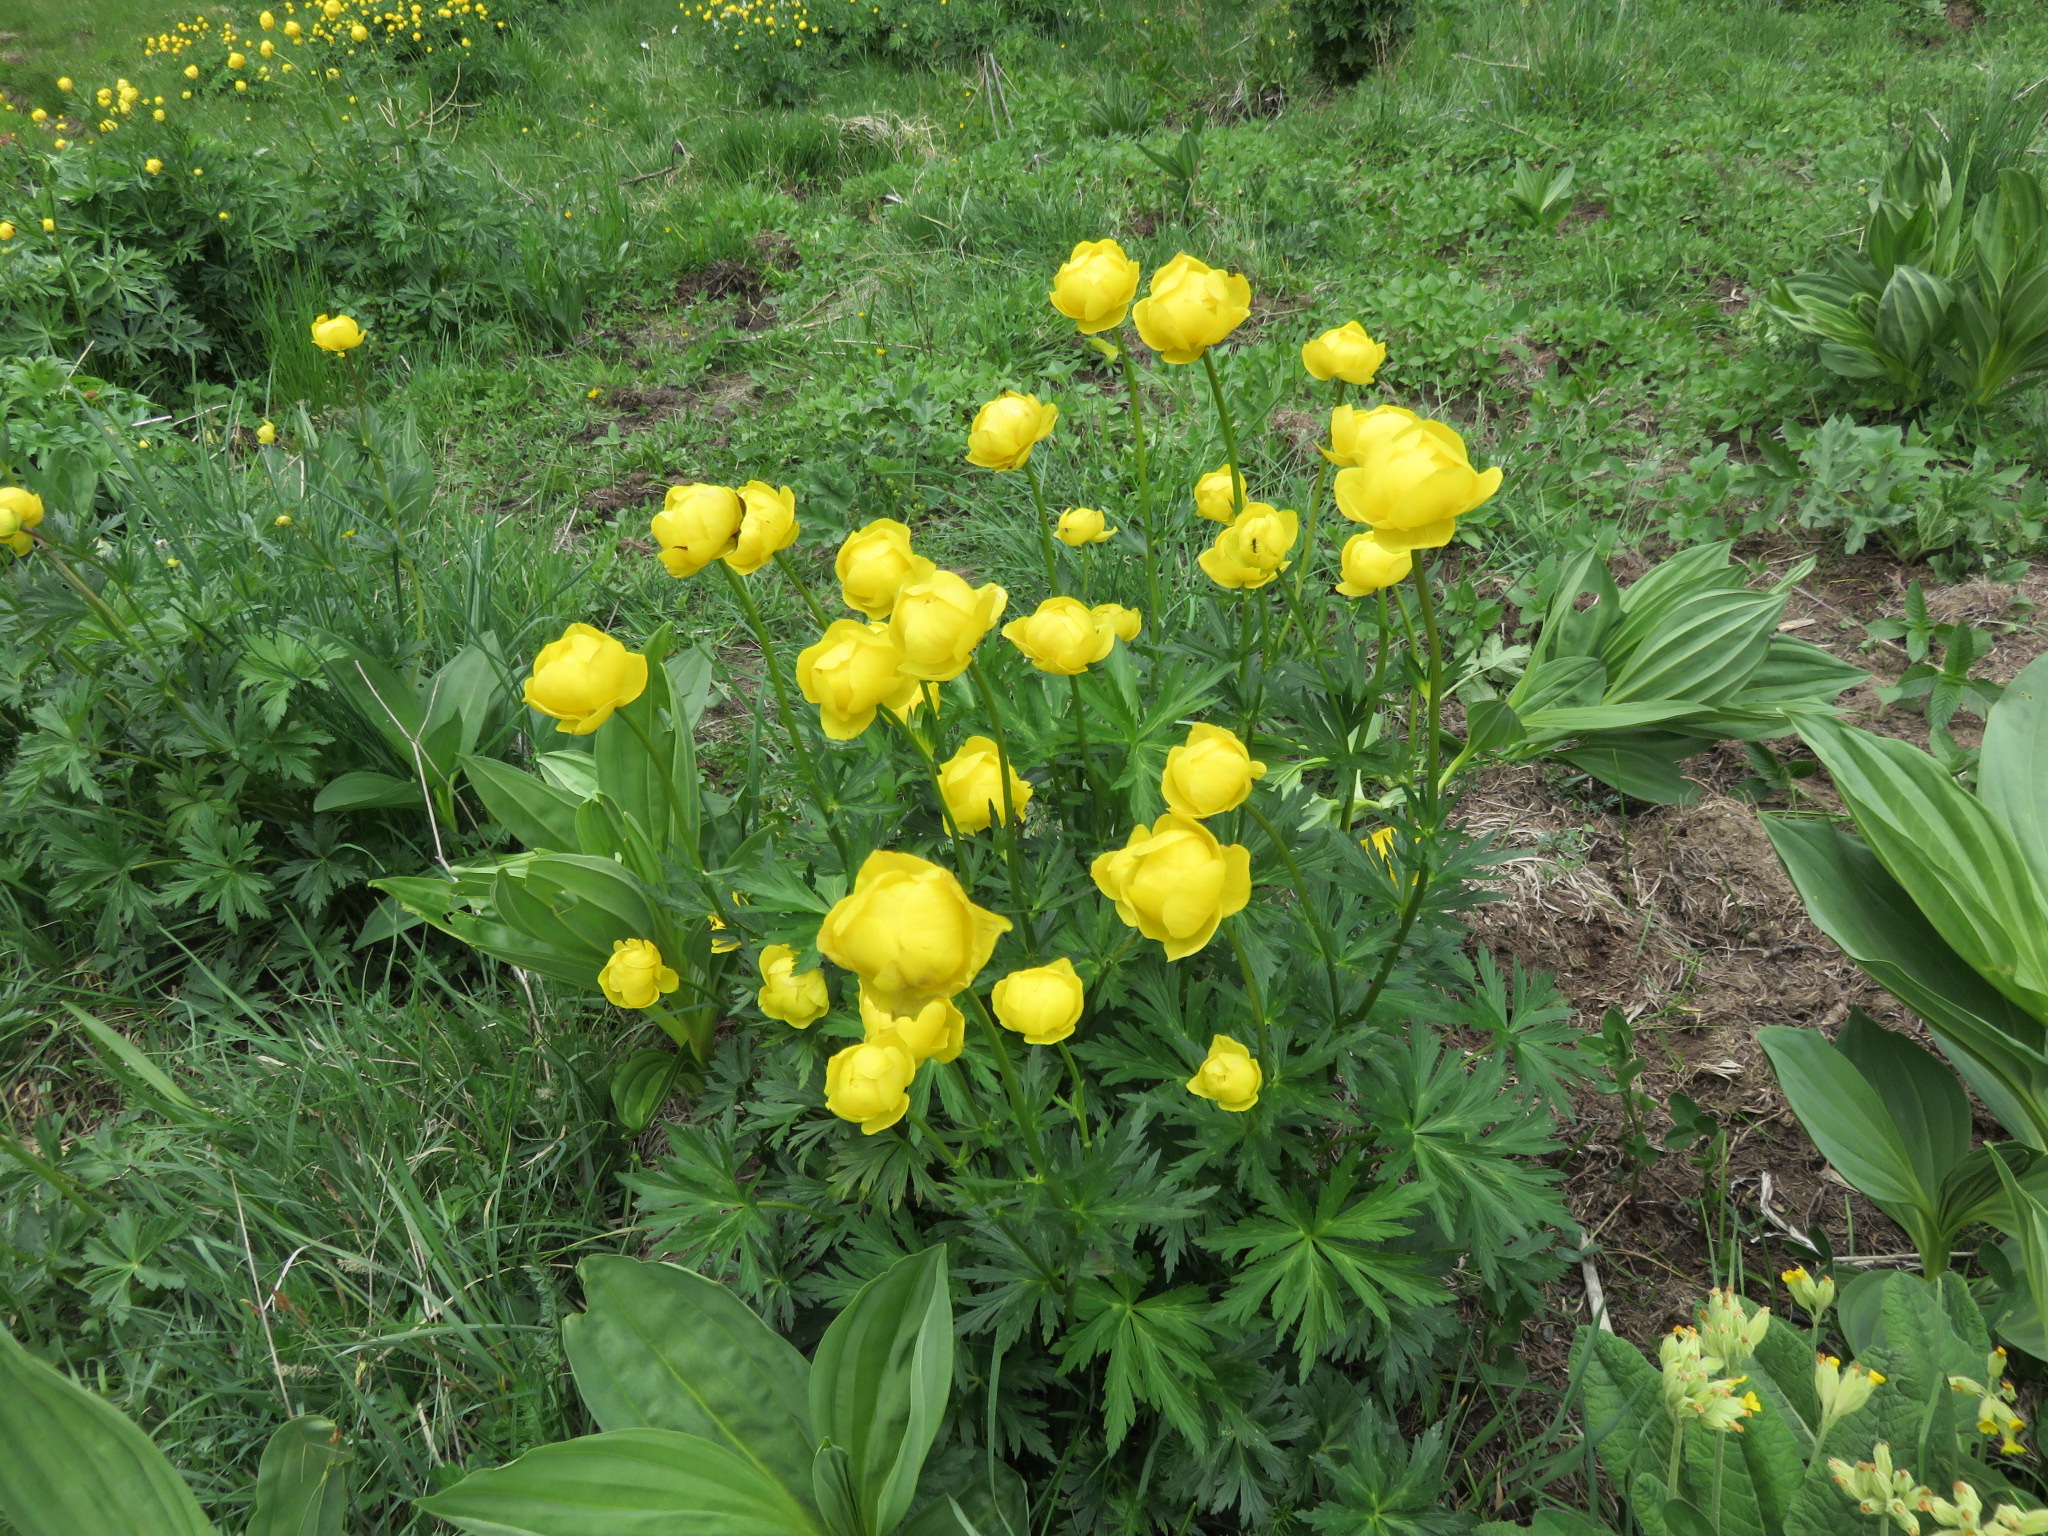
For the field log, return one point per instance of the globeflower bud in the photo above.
(1126, 622)
(852, 670)
(869, 1083)
(1346, 353)
(1229, 1077)
(1005, 429)
(1175, 883)
(971, 782)
(936, 1032)
(696, 525)
(1082, 525)
(767, 524)
(1368, 565)
(1064, 637)
(266, 434)
(153, 165)
(581, 678)
(1219, 494)
(1095, 287)
(337, 333)
(873, 564)
(1251, 551)
(798, 999)
(1209, 773)
(908, 930)
(635, 976)
(1190, 308)
(1042, 1002)
(939, 620)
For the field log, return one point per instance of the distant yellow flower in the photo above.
(358, 33)
(191, 71)
(38, 116)
(50, 225)
(266, 21)
(282, 520)
(1082, 525)
(1125, 621)
(6, 230)
(1095, 287)
(1219, 494)
(292, 29)
(1229, 1077)
(1006, 428)
(236, 61)
(1190, 307)
(636, 976)
(266, 48)
(1369, 565)
(158, 114)
(267, 433)
(971, 782)
(63, 82)
(20, 510)
(1346, 353)
(336, 333)
(241, 85)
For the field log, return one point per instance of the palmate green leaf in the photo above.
(1154, 1350)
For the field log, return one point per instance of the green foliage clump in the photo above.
(1347, 39)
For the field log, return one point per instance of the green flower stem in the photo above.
(668, 783)
(1291, 596)
(398, 560)
(1251, 987)
(1027, 1123)
(1324, 946)
(1238, 486)
(1080, 1105)
(1130, 369)
(803, 588)
(1088, 783)
(953, 1156)
(1008, 834)
(1677, 1458)
(1315, 507)
(827, 807)
(1433, 746)
(1045, 549)
(931, 768)
(695, 1040)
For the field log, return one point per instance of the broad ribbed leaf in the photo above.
(1625, 1417)
(1844, 1116)
(1640, 772)
(1701, 647)
(629, 1482)
(1921, 1097)
(1912, 315)
(531, 809)
(1795, 672)
(72, 1464)
(1577, 719)
(663, 1348)
(1702, 568)
(2012, 769)
(302, 1485)
(365, 791)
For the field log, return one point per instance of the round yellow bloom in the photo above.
(1229, 1077)
(1190, 308)
(266, 21)
(292, 29)
(1042, 1002)
(1346, 353)
(1209, 773)
(971, 782)
(767, 524)
(635, 976)
(939, 620)
(696, 525)
(38, 116)
(1253, 550)
(1412, 487)
(581, 678)
(1369, 565)
(236, 61)
(1064, 637)
(1124, 622)
(936, 1032)
(1095, 287)
(1082, 525)
(330, 8)
(1216, 496)
(50, 225)
(1355, 433)
(191, 71)
(20, 510)
(1175, 883)
(63, 82)
(267, 433)
(1005, 429)
(852, 670)
(6, 230)
(152, 165)
(358, 33)
(908, 930)
(869, 1083)
(874, 563)
(337, 333)
(798, 999)
(158, 114)
(266, 48)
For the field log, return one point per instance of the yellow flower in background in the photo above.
(1005, 429)
(1253, 550)
(1368, 565)
(1082, 525)
(236, 61)
(1412, 488)
(64, 82)
(6, 230)
(39, 116)
(1064, 637)
(1175, 883)
(1191, 306)
(20, 510)
(581, 678)
(869, 1083)
(335, 333)
(1218, 495)
(696, 525)
(939, 620)
(1042, 1003)
(1229, 1077)
(1209, 773)
(849, 672)
(635, 976)
(267, 433)
(266, 48)
(191, 71)
(798, 998)
(873, 564)
(972, 784)
(331, 8)
(292, 29)
(50, 225)
(936, 1032)
(358, 33)
(722, 942)
(908, 930)
(152, 165)
(1124, 622)
(767, 523)
(1095, 287)
(1355, 433)
(266, 21)
(1346, 353)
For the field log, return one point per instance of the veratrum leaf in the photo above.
(72, 1464)
(2012, 769)
(1705, 647)
(1844, 1116)
(302, 1485)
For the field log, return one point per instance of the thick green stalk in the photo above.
(1223, 417)
(1008, 834)
(1052, 563)
(1324, 944)
(1027, 1123)
(1315, 507)
(1251, 987)
(803, 588)
(1144, 478)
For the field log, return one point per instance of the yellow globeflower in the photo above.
(358, 33)
(1412, 488)
(768, 523)
(936, 1032)
(50, 225)
(1126, 622)
(1253, 550)
(152, 165)
(1082, 525)
(1346, 353)
(1005, 429)
(1355, 433)
(972, 784)
(1209, 773)
(908, 930)
(635, 976)
(696, 525)
(267, 433)
(1064, 637)
(1218, 494)
(331, 8)
(869, 1083)
(1175, 883)
(849, 672)
(798, 999)
(236, 61)
(292, 29)
(873, 564)
(20, 510)
(1190, 308)
(1042, 1002)
(191, 71)
(6, 230)
(266, 48)
(64, 82)
(1095, 287)
(1229, 1077)
(1369, 565)
(38, 116)
(266, 21)
(337, 333)
(939, 620)
(581, 678)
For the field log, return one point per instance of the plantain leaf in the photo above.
(302, 1484)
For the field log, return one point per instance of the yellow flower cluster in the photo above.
(755, 22)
